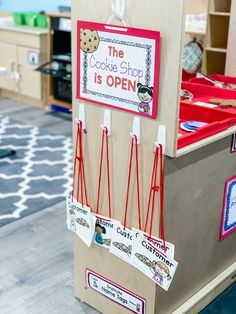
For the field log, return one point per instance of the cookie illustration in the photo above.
(89, 40)
(146, 261)
(82, 222)
(123, 248)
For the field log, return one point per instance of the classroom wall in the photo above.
(29, 5)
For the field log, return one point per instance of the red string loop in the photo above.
(79, 163)
(134, 142)
(154, 188)
(104, 135)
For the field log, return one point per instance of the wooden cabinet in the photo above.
(8, 60)
(216, 42)
(17, 45)
(30, 80)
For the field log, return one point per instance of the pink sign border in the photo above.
(128, 31)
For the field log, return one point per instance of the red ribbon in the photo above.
(154, 188)
(79, 163)
(133, 143)
(104, 135)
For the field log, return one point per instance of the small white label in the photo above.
(65, 25)
(154, 263)
(121, 242)
(33, 57)
(103, 230)
(157, 242)
(115, 292)
(204, 104)
(80, 221)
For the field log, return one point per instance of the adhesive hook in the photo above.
(136, 129)
(107, 121)
(82, 116)
(161, 137)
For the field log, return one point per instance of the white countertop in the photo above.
(6, 23)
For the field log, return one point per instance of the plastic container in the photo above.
(218, 120)
(41, 21)
(30, 18)
(19, 18)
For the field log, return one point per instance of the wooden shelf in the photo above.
(215, 61)
(220, 5)
(195, 32)
(215, 49)
(216, 40)
(226, 14)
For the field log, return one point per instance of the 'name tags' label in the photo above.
(115, 292)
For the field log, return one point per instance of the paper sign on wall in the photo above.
(118, 67)
(153, 263)
(121, 242)
(103, 230)
(228, 220)
(233, 144)
(80, 220)
(115, 292)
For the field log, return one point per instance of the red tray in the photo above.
(200, 87)
(203, 90)
(217, 120)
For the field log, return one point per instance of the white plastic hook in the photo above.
(82, 116)
(161, 138)
(107, 121)
(136, 129)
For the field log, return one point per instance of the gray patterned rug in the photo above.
(38, 176)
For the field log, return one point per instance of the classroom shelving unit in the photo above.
(216, 40)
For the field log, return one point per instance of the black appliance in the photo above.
(59, 68)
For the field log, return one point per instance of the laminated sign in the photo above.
(228, 219)
(79, 220)
(103, 231)
(121, 244)
(154, 263)
(157, 242)
(118, 67)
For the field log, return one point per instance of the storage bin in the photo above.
(19, 18)
(41, 21)
(30, 18)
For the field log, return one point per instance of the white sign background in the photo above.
(153, 263)
(106, 223)
(84, 225)
(121, 242)
(157, 242)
